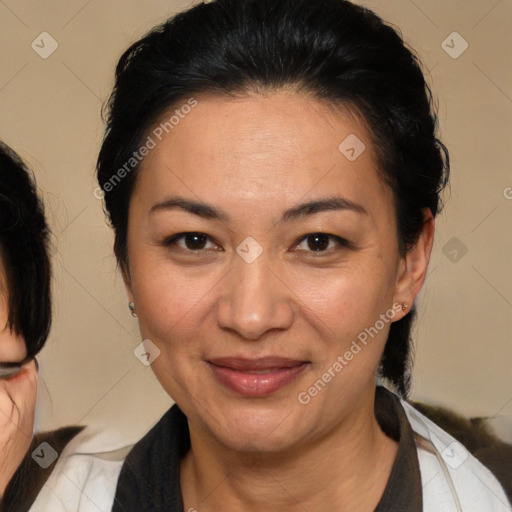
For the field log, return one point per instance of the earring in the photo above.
(131, 306)
(405, 306)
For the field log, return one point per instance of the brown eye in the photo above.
(318, 242)
(191, 241)
(195, 241)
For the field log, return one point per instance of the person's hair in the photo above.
(24, 249)
(332, 49)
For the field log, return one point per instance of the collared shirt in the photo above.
(150, 477)
(86, 475)
(403, 491)
(30, 477)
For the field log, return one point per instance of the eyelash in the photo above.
(173, 240)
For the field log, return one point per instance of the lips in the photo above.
(256, 377)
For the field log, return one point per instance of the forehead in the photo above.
(272, 146)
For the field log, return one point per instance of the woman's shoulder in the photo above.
(450, 473)
(85, 474)
(35, 468)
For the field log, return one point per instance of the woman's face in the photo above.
(17, 395)
(12, 346)
(290, 265)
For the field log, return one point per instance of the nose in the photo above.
(255, 300)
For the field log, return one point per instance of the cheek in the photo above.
(171, 304)
(172, 312)
(344, 301)
(21, 391)
(12, 346)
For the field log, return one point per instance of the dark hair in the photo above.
(24, 245)
(332, 49)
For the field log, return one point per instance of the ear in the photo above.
(412, 268)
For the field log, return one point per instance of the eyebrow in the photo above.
(323, 205)
(302, 210)
(197, 208)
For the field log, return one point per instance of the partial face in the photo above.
(17, 395)
(258, 255)
(12, 346)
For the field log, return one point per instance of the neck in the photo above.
(347, 469)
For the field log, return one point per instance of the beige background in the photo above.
(50, 114)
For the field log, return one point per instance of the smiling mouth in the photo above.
(256, 377)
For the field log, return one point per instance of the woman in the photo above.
(25, 318)
(272, 174)
(25, 312)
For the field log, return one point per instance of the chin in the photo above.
(258, 428)
(248, 441)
